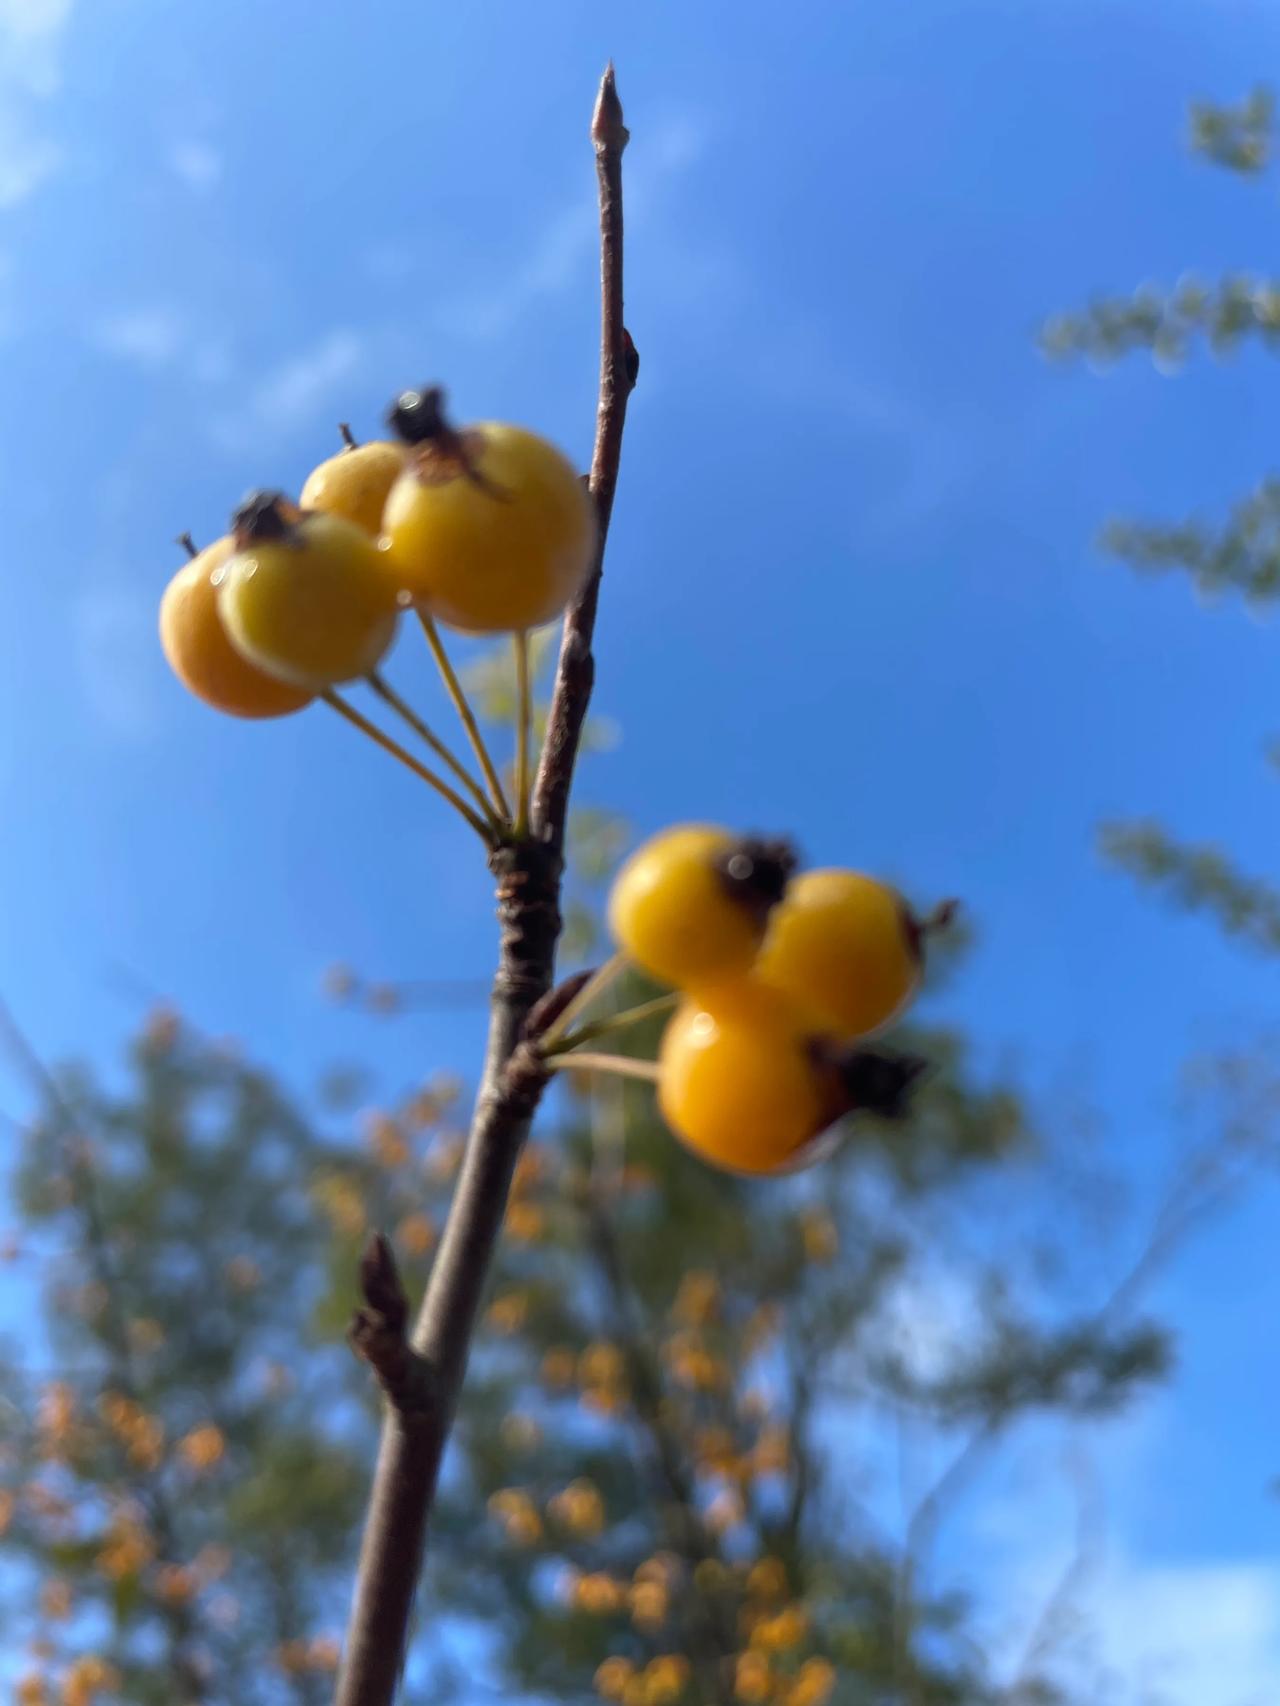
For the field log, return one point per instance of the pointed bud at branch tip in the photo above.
(607, 128)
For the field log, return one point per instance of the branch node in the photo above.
(544, 1013)
(378, 1333)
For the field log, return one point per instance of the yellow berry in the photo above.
(200, 654)
(737, 1083)
(306, 596)
(489, 528)
(612, 1677)
(354, 483)
(845, 949)
(690, 906)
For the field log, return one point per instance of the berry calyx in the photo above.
(488, 527)
(305, 597)
(868, 1080)
(690, 905)
(755, 873)
(354, 483)
(846, 949)
(200, 654)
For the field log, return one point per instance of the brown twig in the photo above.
(528, 874)
(575, 672)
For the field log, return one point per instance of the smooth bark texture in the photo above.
(422, 1373)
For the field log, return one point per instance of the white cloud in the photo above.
(31, 39)
(566, 246)
(292, 393)
(152, 336)
(114, 651)
(198, 164)
(26, 161)
(31, 33)
(1194, 1634)
(1197, 1631)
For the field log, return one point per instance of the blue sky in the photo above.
(852, 591)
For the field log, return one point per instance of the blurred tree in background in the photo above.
(1238, 555)
(657, 1491)
(675, 1475)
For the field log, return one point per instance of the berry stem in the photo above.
(375, 734)
(188, 544)
(524, 725)
(600, 980)
(621, 1065)
(462, 705)
(390, 697)
(349, 439)
(613, 1022)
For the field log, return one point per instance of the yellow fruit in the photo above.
(354, 484)
(737, 1082)
(203, 658)
(489, 528)
(845, 949)
(305, 596)
(690, 906)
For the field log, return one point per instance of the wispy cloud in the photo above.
(198, 164)
(1195, 1633)
(289, 393)
(114, 651)
(292, 393)
(31, 36)
(26, 160)
(566, 243)
(31, 41)
(150, 336)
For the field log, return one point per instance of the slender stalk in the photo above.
(349, 439)
(612, 1022)
(375, 734)
(383, 688)
(619, 365)
(461, 704)
(621, 1065)
(600, 980)
(528, 886)
(188, 544)
(524, 726)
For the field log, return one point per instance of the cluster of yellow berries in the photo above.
(320, 1655)
(487, 528)
(780, 977)
(81, 1684)
(658, 1683)
(141, 1434)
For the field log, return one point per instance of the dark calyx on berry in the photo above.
(442, 453)
(917, 930)
(755, 872)
(418, 417)
(871, 1081)
(264, 515)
